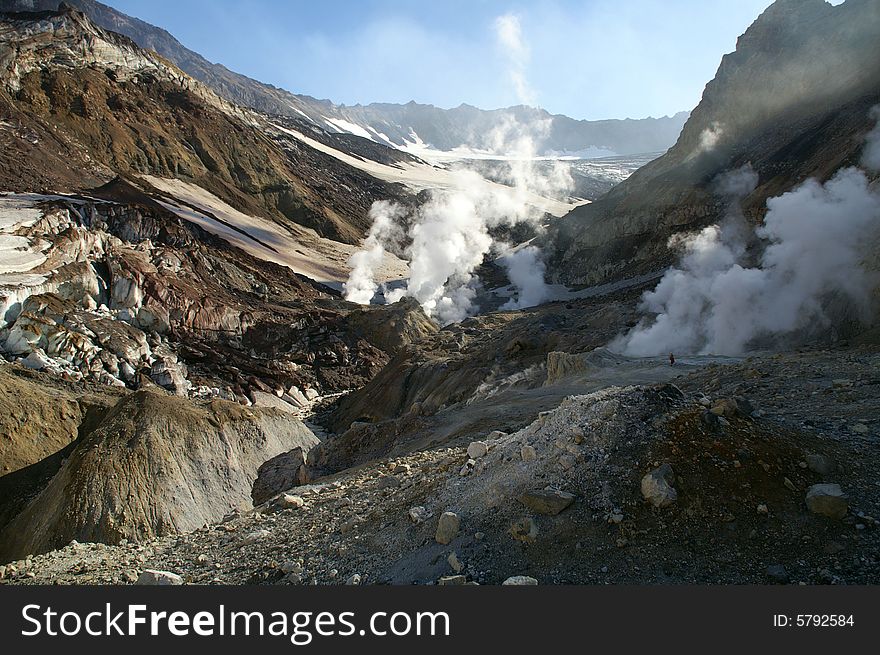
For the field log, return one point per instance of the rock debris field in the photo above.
(758, 471)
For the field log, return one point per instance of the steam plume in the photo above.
(508, 32)
(361, 285)
(450, 234)
(871, 155)
(815, 241)
(526, 272)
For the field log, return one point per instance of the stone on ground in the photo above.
(657, 486)
(447, 527)
(827, 500)
(519, 580)
(547, 501)
(158, 578)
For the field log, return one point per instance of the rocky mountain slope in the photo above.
(758, 472)
(794, 101)
(173, 276)
(113, 108)
(153, 465)
(388, 124)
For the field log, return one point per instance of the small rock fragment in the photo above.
(524, 530)
(447, 527)
(777, 574)
(151, 577)
(726, 407)
(657, 486)
(418, 514)
(547, 501)
(254, 537)
(827, 500)
(292, 567)
(452, 580)
(289, 501)
(567, 462)
(519, 580)
(819, 464)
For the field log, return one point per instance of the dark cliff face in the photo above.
(793, 100)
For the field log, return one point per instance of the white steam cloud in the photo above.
(871, 154)
(361, 285)
(449, 236)
(816, 240)
(709, 138)
(508, 33)
(526, 272)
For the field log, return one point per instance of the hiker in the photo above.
(671, 359)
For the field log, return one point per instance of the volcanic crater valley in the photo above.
(250, 337)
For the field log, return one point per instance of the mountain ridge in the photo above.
(793, 101)
(393, 124)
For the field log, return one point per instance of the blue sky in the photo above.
(585, 58)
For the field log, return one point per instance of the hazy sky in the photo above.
(584, 58)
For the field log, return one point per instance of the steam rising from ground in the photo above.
(508, 32)
(384, 230)
(526, 272)
(815, 242)
(871, 155)
(710, 137)
(449, 236)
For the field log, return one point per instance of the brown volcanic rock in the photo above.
(111, 107)
(280, 473)
(155, 465)
(35, 420)
(793, 101)
(233, 318)
(393, 327)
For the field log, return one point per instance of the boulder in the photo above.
(547, 501)
(657, 486)
(282, 472)
(448, 527)
(827, 500)
(519, 580)
(477, 449)
(159, 578)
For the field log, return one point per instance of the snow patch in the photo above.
(346, 126)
